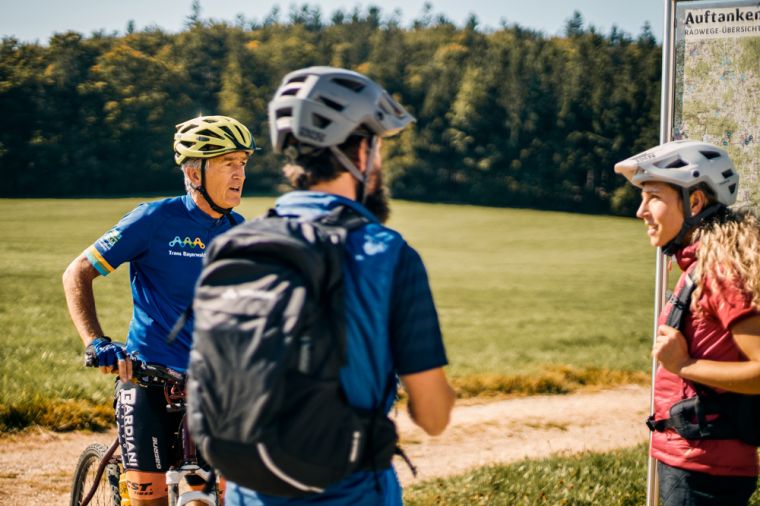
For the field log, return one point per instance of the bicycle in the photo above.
(99, 477)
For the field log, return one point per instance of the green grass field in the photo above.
(529, 301)
(611, 479)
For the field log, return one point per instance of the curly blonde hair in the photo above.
(729, 251)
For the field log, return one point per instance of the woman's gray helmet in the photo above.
(320, 107)
(687, 164)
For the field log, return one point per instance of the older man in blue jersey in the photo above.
(164, 242)
(328, 123)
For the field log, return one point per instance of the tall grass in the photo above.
(529, 301)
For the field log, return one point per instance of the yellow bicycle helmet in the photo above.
(210, 136)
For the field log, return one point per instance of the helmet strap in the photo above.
(224, 211)
(351, 168)
(362, 178)
(689, 222)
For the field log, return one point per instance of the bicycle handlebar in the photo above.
(156, 371)
(141, 368)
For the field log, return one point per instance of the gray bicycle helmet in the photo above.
(322, 106)
(686, 164)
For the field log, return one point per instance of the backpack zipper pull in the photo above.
(304, 356)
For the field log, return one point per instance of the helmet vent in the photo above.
(297, 79)
(227, 130)
(289, 92)
(389, 107)
(676, 164)
(320, 121)
(732, 188)
(203, 136)
(710, 154)
(284, 112)
(727, 173)
(350, 84)
(332, 104)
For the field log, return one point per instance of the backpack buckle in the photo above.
(654, 425)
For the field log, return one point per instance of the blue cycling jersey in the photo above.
(391, 328)
(164, 242)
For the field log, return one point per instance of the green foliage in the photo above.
(530, 302)
(625, 200)
(507, 117)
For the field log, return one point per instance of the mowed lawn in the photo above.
(521, 294)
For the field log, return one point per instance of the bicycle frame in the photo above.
(174, 478)
(190, 467)
(175, 401)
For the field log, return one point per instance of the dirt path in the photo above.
(36, 467)
(534, 427)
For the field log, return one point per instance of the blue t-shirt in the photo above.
(164, 242)
(391, 328)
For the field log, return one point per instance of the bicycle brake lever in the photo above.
(90, 357)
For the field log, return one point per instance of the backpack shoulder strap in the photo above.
(681, 302)
(340, 216)
(343, 217)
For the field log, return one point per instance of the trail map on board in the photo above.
(718, 80)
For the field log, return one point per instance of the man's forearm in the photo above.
(80, 298)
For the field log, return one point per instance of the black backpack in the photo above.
(709, 414)
(265, 405)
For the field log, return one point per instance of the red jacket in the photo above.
(708, 337)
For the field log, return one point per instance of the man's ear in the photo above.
(194, 175)
(697, 202)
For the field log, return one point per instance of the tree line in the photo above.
(505, 116)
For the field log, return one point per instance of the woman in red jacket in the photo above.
(686, 188)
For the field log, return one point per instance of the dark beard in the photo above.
(377, 197)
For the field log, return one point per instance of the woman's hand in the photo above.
(671, 350)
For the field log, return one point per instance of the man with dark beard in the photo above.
(328, 123)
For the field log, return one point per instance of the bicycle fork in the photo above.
(190, 467)
(173, 479)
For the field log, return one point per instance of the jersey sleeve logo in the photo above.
(109, 239)
(187, 242)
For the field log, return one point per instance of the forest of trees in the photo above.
(505, 116)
